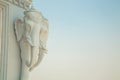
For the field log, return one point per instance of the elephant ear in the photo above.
(44, 35)
(19, 28)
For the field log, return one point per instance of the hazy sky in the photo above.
(84, 40)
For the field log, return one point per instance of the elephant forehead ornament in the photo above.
(31, 33)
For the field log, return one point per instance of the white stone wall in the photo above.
(14, 52)
(0, 35)
(9, 49)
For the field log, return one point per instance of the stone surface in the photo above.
(0, 34)
(12, 16)
(21, 3)
(31, 33)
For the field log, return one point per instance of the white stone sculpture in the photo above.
(22, 3)
(26, 3)
(31, 33)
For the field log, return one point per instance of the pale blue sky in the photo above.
(84, 40)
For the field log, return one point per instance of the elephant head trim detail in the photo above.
(31, 34)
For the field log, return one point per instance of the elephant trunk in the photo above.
(40, 58)
(34, 51)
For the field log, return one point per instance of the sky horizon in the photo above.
(84, 40)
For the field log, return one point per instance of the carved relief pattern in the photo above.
(31, 33)
(21, 3)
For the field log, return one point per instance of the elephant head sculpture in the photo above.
(31, 34)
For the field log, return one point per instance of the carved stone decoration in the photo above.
(31, 33)
(4, 9)
(21, 3)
